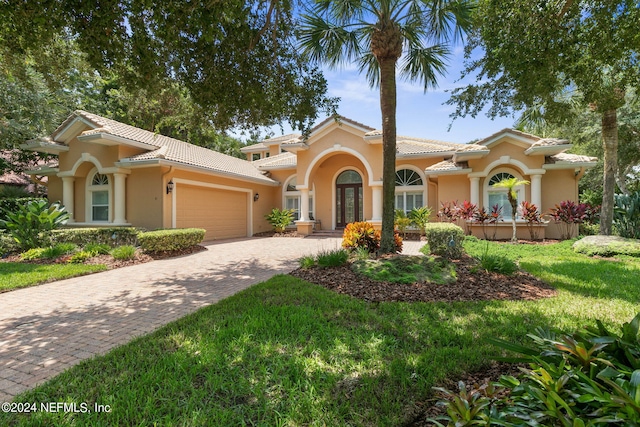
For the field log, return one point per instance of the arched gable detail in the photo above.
(336, 149)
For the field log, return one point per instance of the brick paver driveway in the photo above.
(48, 328)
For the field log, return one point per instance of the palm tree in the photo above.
(510, 184)
(376, 34)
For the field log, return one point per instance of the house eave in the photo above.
(46, 171)
(547, 150)
(469, 155)
(435, 174)
(44, 146)
(425, 155)
(163, 162)
(294, 148)
(568, 165)
(109, 140)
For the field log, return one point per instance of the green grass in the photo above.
(406, 269)
(14, 275)
(286, 352)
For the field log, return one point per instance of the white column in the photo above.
(67, 195)
(475, 190)
(536, 191)
(304, 204)
(376, 200)
(119, 198)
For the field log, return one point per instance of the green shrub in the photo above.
(280, 218)
(8, 244)
(626, 215)
(607, 246)
(80, 257)
(401, 221)
(307, 261)
(588, 378)
(33, 253)
(123, 253)
(333, 258)
(497, 263)
(59, 250)
(112, 236)
(170, 240)
(444, 239)
(97, 249)
(30, 223)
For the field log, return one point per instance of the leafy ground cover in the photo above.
(288, 352)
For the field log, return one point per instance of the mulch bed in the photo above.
(478, 285)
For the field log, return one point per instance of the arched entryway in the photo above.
(349, 206)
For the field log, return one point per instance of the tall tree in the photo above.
(237, 58)
(376, 34)
(531, 51)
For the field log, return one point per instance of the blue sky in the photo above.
(419, 114)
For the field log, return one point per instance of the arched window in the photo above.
(292, 199)
(98, 192)
(498, 196)
(409, 190)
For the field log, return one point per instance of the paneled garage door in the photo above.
(223, 213)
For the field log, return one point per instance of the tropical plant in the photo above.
(402, 221)
(496, 263)
(485, 218)
(29, 224)
(363, 235)
(626, 215)
(466, 212)
(569, 213)
(280, 218)
(531, 215)
(449, 211)
(420, 217)
(588, 378)
(510, 184)
(376, 33)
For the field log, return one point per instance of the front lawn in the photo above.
(20, 275)
(287, 352)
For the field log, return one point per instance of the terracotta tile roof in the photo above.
(545, 142)
(408, 146)
(507, 130)
(254, 147)
(175, 150)
(341, 119)
(444, 166)
(570, 158)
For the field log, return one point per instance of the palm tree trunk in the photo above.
(610, 144)
(388, 109)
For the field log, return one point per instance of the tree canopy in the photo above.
(237, 59)
(526, 53)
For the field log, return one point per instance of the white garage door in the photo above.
(223, 213)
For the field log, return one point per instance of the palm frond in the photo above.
(425, 65)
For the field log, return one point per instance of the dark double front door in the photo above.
(348, 198)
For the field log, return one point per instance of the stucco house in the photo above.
(112, 174)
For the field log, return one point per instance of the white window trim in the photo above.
(520, 191)
(404, 189)
(88, 199)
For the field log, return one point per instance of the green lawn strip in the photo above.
(14, 275)
(406, 269)
(286, 352)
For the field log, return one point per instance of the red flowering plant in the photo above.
(485, 218)
(569, 213)
(466, 212)
(530, 213)
(449, 211)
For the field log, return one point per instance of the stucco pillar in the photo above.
(474, 193)
(304, 205)
(376, 200)
(536, 191)
(119, 198)
(67, 195)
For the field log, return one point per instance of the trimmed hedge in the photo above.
(113, 236)
(170, 240)
(445, 239)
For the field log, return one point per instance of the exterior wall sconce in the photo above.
(170, 186)
(256, 197)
